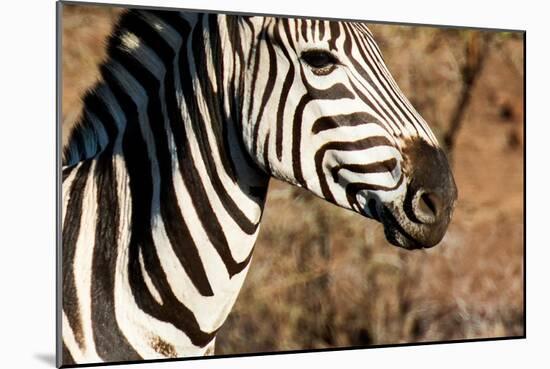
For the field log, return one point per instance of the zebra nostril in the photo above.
(427, 206)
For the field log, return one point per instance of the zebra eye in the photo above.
(321, 62)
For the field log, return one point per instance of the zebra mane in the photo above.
(92, 135)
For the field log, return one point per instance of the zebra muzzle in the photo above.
(421, 221)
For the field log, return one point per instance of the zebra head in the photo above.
(325, 114)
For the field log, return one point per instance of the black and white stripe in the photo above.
(166, 174)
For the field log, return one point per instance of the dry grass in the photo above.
(324, 277)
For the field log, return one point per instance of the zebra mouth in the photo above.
(417, 237)
(396, 234)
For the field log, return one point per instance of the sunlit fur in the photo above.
(165, 176)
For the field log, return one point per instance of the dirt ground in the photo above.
(324, 277)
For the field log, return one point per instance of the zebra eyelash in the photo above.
(321, 62)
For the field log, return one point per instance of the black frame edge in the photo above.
(58, 188)
(59, 17)
(217, 11)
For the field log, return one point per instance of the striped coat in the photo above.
(166, 174)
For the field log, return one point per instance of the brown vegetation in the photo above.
(325, 277)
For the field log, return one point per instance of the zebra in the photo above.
(165, 175)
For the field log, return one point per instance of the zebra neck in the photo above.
(170, 94)
(176, 200)
(164, 109)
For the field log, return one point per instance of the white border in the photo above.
(27, 195)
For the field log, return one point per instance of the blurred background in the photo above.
(324, 277)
